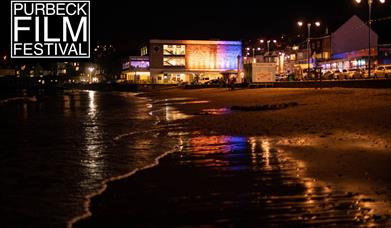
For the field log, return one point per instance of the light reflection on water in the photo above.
(93, 143)
(60, 149)
(280, 184)
(88, 153)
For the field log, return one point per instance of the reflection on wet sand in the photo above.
(224, 181)
(280, 184)
(167, 114)
(359, 169)
(229, 181)
(216, 111)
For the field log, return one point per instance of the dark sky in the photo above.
(127, 23)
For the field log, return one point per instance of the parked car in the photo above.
(365, 74)
(344, 75)
(337, 75)
(383, 71)
(355, 74)
(328, 75)
(281, 77)
(200, 81)
(212, 82)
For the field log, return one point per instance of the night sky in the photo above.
(127, 23)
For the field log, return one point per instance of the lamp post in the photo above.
(369, 31)
(268, 44)
(90, 70)
(309, 24)
(254, 55)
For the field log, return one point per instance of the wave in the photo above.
(104, 184)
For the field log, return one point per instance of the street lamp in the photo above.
(268, 44)
(90, 70)
(254, 55)
(369, 32)
(317, 24)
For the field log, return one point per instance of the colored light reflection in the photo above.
(219, 144)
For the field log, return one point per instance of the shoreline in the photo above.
(308, 143)
(105, 185)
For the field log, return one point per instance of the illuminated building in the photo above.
(177, 61)
(349, 44)
(135, 69)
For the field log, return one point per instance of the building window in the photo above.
(293, 57)
(326, 55)
(174, 49)
(144, 51)
(174, 61)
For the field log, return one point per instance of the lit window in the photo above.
(293, 57)
(174, 49)
(174, 61)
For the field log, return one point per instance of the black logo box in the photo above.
(52, 20)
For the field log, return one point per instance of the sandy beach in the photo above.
(344, 135)
(336, 138)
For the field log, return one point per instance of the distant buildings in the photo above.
(98, 69)
(344, 49)
(349, 46)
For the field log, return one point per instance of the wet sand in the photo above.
(227, 181)
(344, 135)
(326, 163)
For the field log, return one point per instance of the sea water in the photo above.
(57, 151)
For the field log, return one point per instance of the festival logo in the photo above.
(50, 29)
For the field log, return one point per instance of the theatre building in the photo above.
(187, 61)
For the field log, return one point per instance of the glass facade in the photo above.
(174, 61)
(218, 57)
(174, 49)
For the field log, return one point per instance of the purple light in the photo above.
(139, 64)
